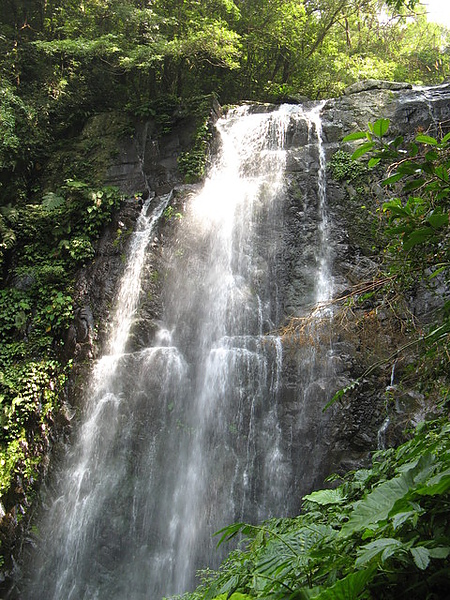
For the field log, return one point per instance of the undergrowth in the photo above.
(382, 533)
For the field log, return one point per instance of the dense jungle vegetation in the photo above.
(61, 61)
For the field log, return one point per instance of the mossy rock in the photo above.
(87, 156)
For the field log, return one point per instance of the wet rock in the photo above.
(375, 84)
(316, 442)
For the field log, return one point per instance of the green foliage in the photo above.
(418, 216)
(72, 217)
(417, 235)
(75, 59)
(192, 163)
(8, 219)
(54, 238)
(51, 238)
(14, 308)
(17, 119)
(383, 532)
(171, 213)
(343, 168)
(101, 204)
(29, 398)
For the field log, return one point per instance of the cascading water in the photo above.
(184, 437)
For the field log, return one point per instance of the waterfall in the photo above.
(186, 436)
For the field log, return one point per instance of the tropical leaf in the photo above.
(228, 587)
(338, 395)
(376, 506)
(439, 484)
(7, 238)
(325, 497)
(413, 150)
(439, 552)
(395, 207)
(414, 185)
(438, 220)
(418, 236)
(76, 184)
(52, 201)
(431, 156)
(363, 149)
(421, 557)
(380, 127)
(229, 532)
(392, 179)
(441, 172)
(438, 271)
(409, 168)
(348, 588)
(404, 517)
(426, 139)
(385, 547)
(373, 162)
(358, 135)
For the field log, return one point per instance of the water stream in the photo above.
(184, 437)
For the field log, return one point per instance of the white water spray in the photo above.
(185, 437)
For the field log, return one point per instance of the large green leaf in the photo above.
(396, 208)
(358, 135)
(404, 517)
(438, 220)
(409, 168)
(439, 484)
(229, 532)
(418, 236)
(414, 185)
(440, 552)
(392, 179)
(285, 551)
(348, 588)
(384, 546)
(52, 201)
(367, 147)
(380, 127)
(441, 172)
(325, 497)
(376, 506)
(421, 557)
(426, 139)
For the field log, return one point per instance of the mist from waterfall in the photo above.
(184, 437)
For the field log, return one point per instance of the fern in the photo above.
(52, 201)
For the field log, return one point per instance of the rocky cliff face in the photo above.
(376, 413)
(371, 416)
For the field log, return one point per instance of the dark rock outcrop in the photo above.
(147, 163)
(146, 166)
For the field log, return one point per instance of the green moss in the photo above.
(192, 163)
(88, 156)
(343, 168)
